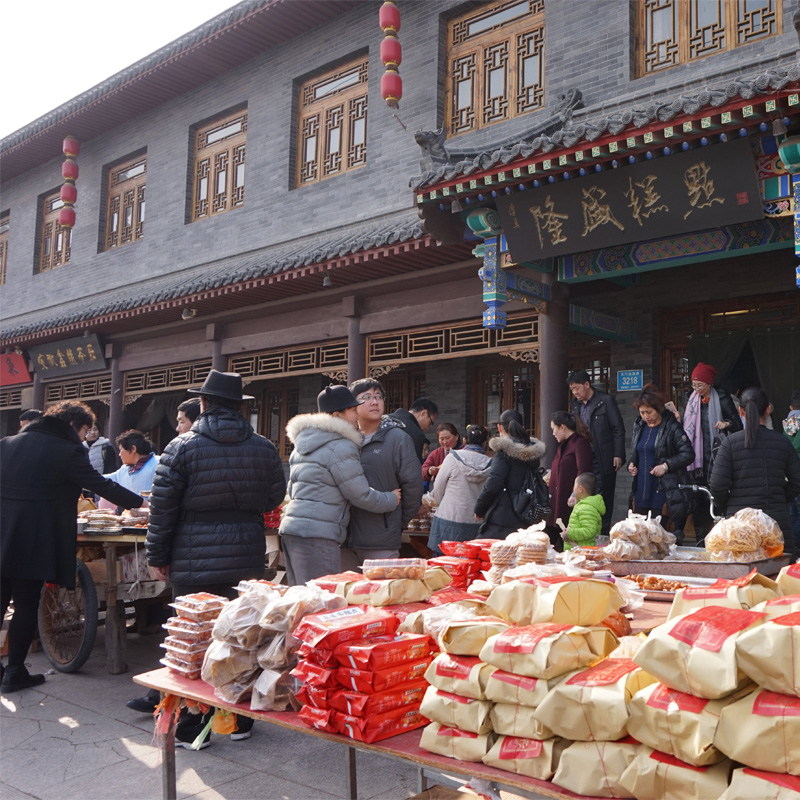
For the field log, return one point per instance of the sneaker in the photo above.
(17, 678)
(238, 736)
(188, 745)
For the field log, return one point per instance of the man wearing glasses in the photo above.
(390, 462)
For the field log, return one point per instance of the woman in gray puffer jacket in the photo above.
(325, 478)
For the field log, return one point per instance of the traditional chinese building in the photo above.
(549, 195)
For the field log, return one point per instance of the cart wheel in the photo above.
(68, 621)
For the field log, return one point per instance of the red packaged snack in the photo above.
(325, 658)
(314, 674)
(380, 652)
(452, 594)
(469, 549)
(457, 567)
(316, 696)
(382, 726)
(404, 609)
(329, 628)
(336, 584)
(359, 704)
(319, 718)
(371, 681)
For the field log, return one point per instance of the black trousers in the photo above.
(607, 485)
(22, 628)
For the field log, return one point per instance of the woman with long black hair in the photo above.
(756, 467)
(514, 454)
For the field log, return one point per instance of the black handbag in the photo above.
(532, 504)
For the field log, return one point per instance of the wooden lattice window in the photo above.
(332, 127)
(125, 205)
(495, 58)
(671, 32)
(219, 166)
(4, 225)
(54, 244)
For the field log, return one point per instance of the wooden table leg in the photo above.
(169, 789)
(352, 778)
(116, 641)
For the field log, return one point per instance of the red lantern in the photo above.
(389, 17)
(69, 194)
(391, 88)
(71, 146)
(66, 217)
(391, 52)
(69, 170)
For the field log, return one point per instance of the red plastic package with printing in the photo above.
(381, 726)
(317, 696)
(380, 652)
(329, 628)
(320, 718)
(360, 704)
(325, 658)
(451, 595)
(466, 549)
(314, 674)
(456, 567)
(402, 610)
(371, 681)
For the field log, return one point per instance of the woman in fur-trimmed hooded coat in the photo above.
(325, 479)
(514, 455)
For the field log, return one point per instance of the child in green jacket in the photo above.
(586, 519)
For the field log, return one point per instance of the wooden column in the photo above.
(356, 341)
(38, 392)
(215, 334)
(116, 407)
(553, 390)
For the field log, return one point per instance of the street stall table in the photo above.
(68, 618)
(404, 747)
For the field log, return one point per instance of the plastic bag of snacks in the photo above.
(394, 569)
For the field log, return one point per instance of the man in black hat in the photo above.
(210, 492)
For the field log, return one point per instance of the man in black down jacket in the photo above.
(210, 491)
(601, 416)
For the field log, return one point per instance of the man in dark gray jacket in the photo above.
(390, 462)
(601, 416)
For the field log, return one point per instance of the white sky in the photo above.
(53, 50)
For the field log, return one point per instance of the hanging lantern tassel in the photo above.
(391, 54)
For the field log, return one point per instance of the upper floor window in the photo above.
(54, 244)
(4, 219)
(219, 149)
(495, 64)
(125, 205)
(672, 32)
(332, 128)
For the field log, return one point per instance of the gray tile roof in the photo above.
(359, 237)
(766, 83)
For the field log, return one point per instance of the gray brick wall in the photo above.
(595, 57)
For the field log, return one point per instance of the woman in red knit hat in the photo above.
(710, 414)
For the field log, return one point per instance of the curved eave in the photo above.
(513, 172)
(379, 262)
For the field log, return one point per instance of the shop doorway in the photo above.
(501, 384)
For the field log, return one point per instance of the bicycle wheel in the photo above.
(68, 621)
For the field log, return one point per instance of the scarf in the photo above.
(137, 467)
(692, 424)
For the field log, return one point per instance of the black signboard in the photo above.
(67, 357)
(703, 188)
